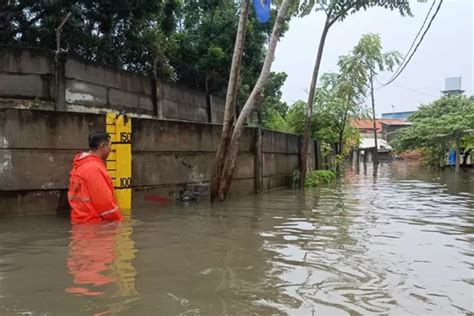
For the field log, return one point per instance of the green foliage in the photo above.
(272, 109)
(295, 117)
(337, 9)
(319, 177)
(327, 124)
(338, 100)
(205, 39)
(370, 57)
(444, 120)
(192, 41)
(340, 96)
(276, 121)
(436, 125)
(433, 156)
(366, 60)
(119, 33)
(326, 154)
(468, 141)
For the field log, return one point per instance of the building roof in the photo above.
(402, 112)
(395, 123)
(368, 124)
(367, 143)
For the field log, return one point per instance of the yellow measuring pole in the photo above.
(119, 163)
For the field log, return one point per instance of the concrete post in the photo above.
(209, 107)
(60, 81)
(300, 150)
(258, 170)
(458, 155)
(159, 97)
(154, 96)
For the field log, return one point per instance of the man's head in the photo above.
(100, 144)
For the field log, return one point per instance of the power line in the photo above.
(416, 37)
(418, 45)
(407, 88)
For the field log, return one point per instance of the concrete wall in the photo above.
(281, 156)
(36, 148)
(182, 104)
(175, 158)
(169, 159)
(27, 80)
(26, 74)
(93, 85)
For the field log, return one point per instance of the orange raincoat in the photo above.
(91, 192)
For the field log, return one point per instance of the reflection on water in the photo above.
(396, 240)
(91, 252)
(100, 257)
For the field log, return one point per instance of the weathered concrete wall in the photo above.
(169, 159)
(281, 156)
(187, 150)
(217, 109)
(94, 85)
(36, 151)
(28, 74)
(181, 103)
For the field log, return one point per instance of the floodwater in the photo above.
(397, 241)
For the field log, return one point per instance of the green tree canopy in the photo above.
(191, 41)
(435, 124)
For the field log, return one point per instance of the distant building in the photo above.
(397, 115)
(366, 127)
(385, 132)
(389, 127)
(452, 86)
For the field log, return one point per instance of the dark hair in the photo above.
(98, 138)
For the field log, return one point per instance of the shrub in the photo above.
(318, 177)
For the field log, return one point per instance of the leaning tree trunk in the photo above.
(233, 148)
(309, 105)
(231, 97)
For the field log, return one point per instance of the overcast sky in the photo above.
(446, 51)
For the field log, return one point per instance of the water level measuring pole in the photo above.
(119, 163)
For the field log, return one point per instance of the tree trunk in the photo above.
(341, 132)
(309, 105)
(458, 155)
(230, 101)
(340, 148)
(375, 156)
(466, 155)
(233, 148)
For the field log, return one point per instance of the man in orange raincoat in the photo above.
(91, 192)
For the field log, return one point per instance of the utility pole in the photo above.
(375, 156)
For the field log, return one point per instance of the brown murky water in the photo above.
(399, 241)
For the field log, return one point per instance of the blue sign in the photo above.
(452, 158)
(262, 9)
